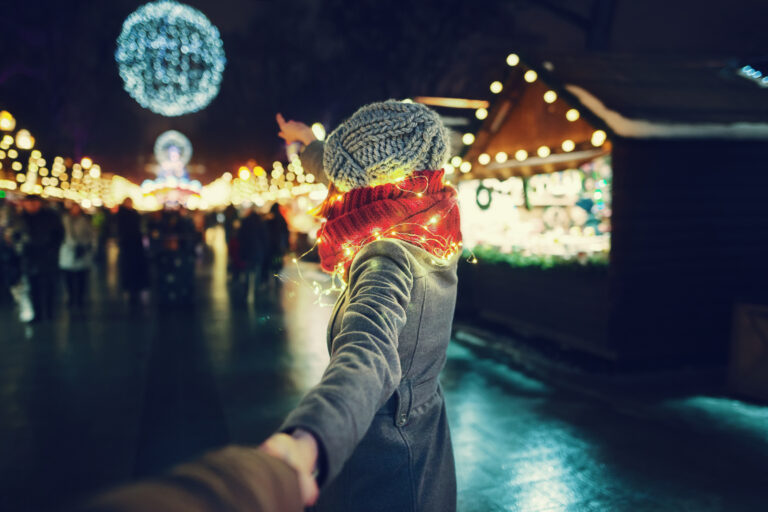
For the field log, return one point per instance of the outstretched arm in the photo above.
(365, 366)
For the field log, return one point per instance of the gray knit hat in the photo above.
(382, 142)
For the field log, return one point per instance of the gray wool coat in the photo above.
(378, 412)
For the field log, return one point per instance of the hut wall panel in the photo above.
(690, 238)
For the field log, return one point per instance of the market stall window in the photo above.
(543, 219)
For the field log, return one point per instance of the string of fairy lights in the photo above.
(457, 163)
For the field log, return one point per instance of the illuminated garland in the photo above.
(170, 58)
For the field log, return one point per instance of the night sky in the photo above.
(312, 63)
(319, 61)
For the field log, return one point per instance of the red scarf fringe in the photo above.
(421, 209)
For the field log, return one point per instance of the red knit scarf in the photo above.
(420, 209)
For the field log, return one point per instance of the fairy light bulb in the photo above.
(572, 115)
(530, 76)
(568, 145)
(501, 157)
(550, 96)
(484, 159)
(456, 161)
(598, 138)
(496, 87)
(468, 138)
(513, 60)
(481, 113)
(521, 155)
(543, 151)
(465, 167)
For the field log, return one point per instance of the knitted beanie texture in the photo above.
(383, 142)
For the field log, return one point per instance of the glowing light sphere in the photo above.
(173, 148)
(170, 58)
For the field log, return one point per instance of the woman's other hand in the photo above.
(293, 131)
(300, 452)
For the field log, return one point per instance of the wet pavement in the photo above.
(91, 400)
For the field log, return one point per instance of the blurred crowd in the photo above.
(45, 244)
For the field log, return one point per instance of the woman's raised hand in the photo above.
(293, 131)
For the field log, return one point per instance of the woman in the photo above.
(76, 254)
(374, 430)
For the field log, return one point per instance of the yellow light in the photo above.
(572, 115)
(35, 154)
(598, 138)
(550, 96)
(24, 140)
(449, 169)
(568, 145)
(12, 153)
(7, 122)
(481, 113)
(2, 154)
(468, 138)
(456, 161)
(543, 151)
(484, 159)
(95, 171)
(16, 166)
(465, 167)
(227, 176)
(86, 163)
(319, 131)
(501, 157)
(243, 173)
(496, 87)
(521, 155)
(513, 60)
(21, 178)
(530, 76)
(259, 171)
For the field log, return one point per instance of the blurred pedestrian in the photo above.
(253, 240)
(76, 255)
(375, 430)
(41, 234)
(231, 215)
(134, 269)
(277, 246)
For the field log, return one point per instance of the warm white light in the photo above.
(468, 139)
(456, 161)
(501, 157)
(568, 145)
(513, 60)
(521, 155)
(550, 96)
(572, 115)
(86, 162)
(543, 151)
(598, 138)
(244, 173)
(319, 131)
(484, 159)
(465, 167)
(7, 122)
(24, 140)
(496, 87)
(95, 171)
(449, 169)
(481, 113)
(530, 76)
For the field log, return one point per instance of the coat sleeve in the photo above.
(364, 369)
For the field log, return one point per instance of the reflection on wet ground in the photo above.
(89, 401)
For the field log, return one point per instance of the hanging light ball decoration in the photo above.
(170, 58)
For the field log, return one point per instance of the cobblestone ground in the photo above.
(90, 400)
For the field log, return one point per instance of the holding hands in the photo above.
(300, 452)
